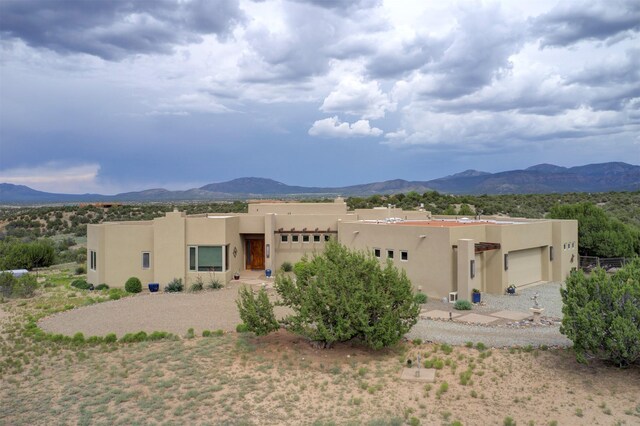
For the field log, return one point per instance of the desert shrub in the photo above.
(447, 349)
(102, 286)
(218, 332)
(115, 293)
(174, 286)
(420, 298)
(78, 338)
(6, 284)
(601, 314)
(190, 334)
(257, 312)
(462, 305)
(158, 335)
(94, 340)
(140, 336)
(481, 346)
(80, 284)
(340, 295)
(206, 333)
(110, 338)
(81, 270)
(133, 285)
(286, 266)
(198, 285)
(25, 286)
(215, 284)
(242, 328)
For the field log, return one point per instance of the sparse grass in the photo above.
(168, 379)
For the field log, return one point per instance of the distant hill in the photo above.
(541, 178)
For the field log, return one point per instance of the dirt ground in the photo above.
(281, 379)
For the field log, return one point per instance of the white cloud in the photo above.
(55, 177)
(354, 96)
(332, 127)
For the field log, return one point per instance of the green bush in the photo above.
(337, 296)
(115, 293)
(110, 338)
(196, 287)
(81, 270)
(133, 285)
(102, 286)
(81, 284)
(159, 335)
(242, 328)
(6, 284)
(420, 298)
(601, 314)
(215, 284)
(257, 312)
(174, 286)
(286, 266)
(206, 333)
(26, 286)
(140, 336)
(462, 305)
(78, 338)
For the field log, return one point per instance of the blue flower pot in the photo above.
(154, 287)
(267, 273)
(475, 297)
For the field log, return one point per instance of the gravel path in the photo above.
(212, 310)
(499, 336)
(172, 312)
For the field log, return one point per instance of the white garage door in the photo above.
(525, 266)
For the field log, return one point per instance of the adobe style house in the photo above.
(440, 255)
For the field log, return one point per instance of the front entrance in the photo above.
(255, 254)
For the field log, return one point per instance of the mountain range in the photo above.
(541, 178)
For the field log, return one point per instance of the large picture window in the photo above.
(207, 258)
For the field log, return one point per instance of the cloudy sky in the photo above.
(111, 96)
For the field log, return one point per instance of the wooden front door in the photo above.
(255, 254)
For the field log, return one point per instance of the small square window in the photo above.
(390, 254)
(404, 255)
(316, 238)
(146, 260)
(376, 253)
(284, 238)
(305, 238)
(295, 238)
(327, 237)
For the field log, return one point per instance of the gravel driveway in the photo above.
(499, 336)
(172, 312)
(212, 310)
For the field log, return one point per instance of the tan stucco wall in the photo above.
(429, 265)
(298, 208)
(433, 265)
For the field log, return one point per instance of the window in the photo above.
(472, 268)
(305, 238)
(316, 238)
(327, 237)
(376, 253)
(93, 260)
(207, 258)
(284, 238)
(146, 259)
(506, 260)
(404, 255)
(294, 238)
(390, 254)
(550, 253)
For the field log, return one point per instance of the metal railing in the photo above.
(611, 264)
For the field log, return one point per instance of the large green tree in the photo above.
(598, 233)
(337, 296)
(602, 314)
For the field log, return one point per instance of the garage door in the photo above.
(525, 266)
